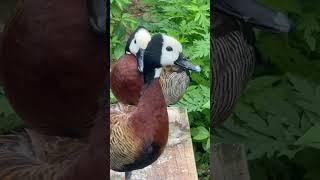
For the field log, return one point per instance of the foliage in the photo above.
(9, 121)
(278, 110)
(278, 116)
(113, 99)
(120, 25)
(189, 22)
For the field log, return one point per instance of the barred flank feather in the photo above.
(174, 82)
(232, 64)
(122, 153)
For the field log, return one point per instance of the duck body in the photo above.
(126, 80)
(234, 54)
(53, 66)
(138, 138)
(34, 156)
(232, 64)
(139, 133)
(30, 155)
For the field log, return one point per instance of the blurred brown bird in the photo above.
(53, 64)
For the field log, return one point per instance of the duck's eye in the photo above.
(135, 41)
(169, 48)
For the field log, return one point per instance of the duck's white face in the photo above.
(162, 51)
(171, 50)
(140, 41)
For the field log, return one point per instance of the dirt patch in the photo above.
(136, 8)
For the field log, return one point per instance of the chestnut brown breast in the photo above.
(53, 66)
(126, 80)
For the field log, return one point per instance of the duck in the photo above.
(139, 135)
(127, 78)
(53, 64)
(30, 155)
(233, 39)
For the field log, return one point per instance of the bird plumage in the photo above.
(232, 64)
(233, 54)
(174, 83)
(137, 137)
(126, 80)
(140, 133)
(30, 155)
(53, 72)
(53, 66)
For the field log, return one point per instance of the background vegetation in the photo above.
(189, 22)
(9, 121)
(278, 117)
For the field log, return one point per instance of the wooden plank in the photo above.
(177, 161)
(229, 162)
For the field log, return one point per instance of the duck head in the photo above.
(137, 43)
(97, 15)
(162, 51)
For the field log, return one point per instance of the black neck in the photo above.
(148, 76)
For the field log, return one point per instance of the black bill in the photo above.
(254, 12)
(140, 59)
(185, 63)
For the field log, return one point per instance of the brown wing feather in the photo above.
(32, 156)
(124, 145)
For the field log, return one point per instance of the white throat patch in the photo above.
(157, 72)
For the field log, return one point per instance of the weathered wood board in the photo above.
(229, 162)
(177, 161)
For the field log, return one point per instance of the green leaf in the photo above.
(6, 108)
(310, 25)
(262, 82)
(206, 145)
(200, 133)
(302, 86)
(310, 138)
